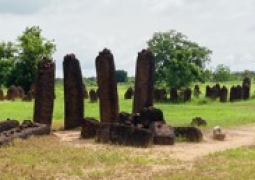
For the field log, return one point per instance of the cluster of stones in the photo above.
(236, 92)
(146, 124)
(11, 129)
(16, 92)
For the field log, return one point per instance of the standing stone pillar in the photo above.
(73, 92)
(145, 67)
(108, 96)
(44, 94)
(246, 88)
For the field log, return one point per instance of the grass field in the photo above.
(215, 113)
(47, 158)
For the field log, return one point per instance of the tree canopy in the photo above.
(222, 73)
(121, 76)
(179, 61)
(22, 57)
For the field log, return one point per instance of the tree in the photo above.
(31, 48)
(7, 55)
(121, 76)
(179, 61)
(222, 73)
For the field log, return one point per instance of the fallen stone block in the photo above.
(191, 134)
(89, 128)
(8, 124)
(124, 135)
(163, 133)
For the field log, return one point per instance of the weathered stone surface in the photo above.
(44, 94)
(25, 130)
(108, 96)
(129, 93)
(173, 95)
(21, 92)
(239, 91)
(28, 97)
(8, 124)
(93, 96)
(145, 67)
(208, 91)
(187, 94)
(197, 91)
(89, 127)
(160, 95)
(233, 94)
(73, 92)
(12, 93)
(246, 88)
(163, 134)
(191, 134)
(1, 94)
(124, 135)
(149, 115)
(223, 94)
(198, 121)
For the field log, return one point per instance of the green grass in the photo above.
(48, 158)
(215, 113)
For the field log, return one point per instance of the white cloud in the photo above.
(86, 27)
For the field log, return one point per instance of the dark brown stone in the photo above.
(44, 95)
(1, 94)
(163, 133)
(223, 94)
(149, 115)
(124, 135)
(191, 134)
(208, 91)
(108, 96)
(73, 92)
(160, 95)
(246, 88)
(93, 96)
(89, 127)
(25, 130)
(197, 91)
(174, 95)
(145, 67)
(12, 93)
(129, 93)
(8, 124)
(239, 92)
(198, 121)
(21, 92)
(28, 97)
(187, 94)
(233, 94)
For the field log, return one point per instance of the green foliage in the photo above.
(179, 61)
(121, 76)
(31, 48)
(7, 55)
(222, 73)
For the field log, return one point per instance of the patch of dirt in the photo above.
(184, 151)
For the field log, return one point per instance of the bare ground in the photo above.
(183, 151)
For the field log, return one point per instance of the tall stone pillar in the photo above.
(108, 96)
(145, 67)
(73, 92)
(44, 94)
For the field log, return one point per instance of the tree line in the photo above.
(179, 62)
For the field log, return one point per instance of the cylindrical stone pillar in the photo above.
(44, 94)
(108, 96)
(73, 92)
(145, 67)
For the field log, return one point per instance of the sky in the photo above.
(86, 27)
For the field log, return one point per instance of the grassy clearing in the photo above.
(47, 158)
(225, 114)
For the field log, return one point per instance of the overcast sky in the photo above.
(85, 27)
